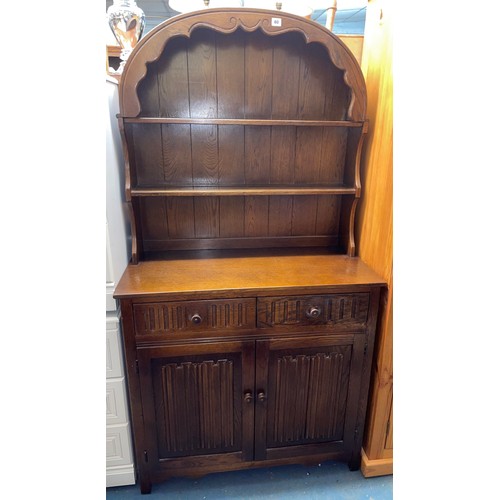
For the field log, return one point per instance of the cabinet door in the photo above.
(307, 390)
(197, 402)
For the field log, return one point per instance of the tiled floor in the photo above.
(329, 480)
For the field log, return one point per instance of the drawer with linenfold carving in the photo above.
(335, 310)
(193, 317)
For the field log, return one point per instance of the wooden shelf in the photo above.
(239, 138)
(243, 191)
(245, 121)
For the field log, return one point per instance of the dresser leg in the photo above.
(355, 462)
(145, 487)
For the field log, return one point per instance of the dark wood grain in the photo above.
(202, 75)
(162, 247)
(173, 82)
(256, 216)
(257, 155)
(287, 56)
(280, 215)
(225, 21)
(137, 234)
(230, 75)
(283, 148)
(154, 221)
(148, 93)
(206, 217)
(304, 215)
(205, 156)
(231, 155)
(249, 121)
(177, 155)
(232, 216)
(186, 386)
(172, 320)
(328, 214)
(135, 401)
(346, 224)
(180, 214)
(332, 161)
(337, 95)
(306, 384)
(147, 152)
(308, 151)
(353, 157)
(258, 76)
(314, 79)
(248, 338)
(243, 190)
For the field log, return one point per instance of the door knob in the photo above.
(261, 396)
(247, 396)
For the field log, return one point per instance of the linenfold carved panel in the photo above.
(171, 317)
(310, 395)
(343, 309)
(194, 403)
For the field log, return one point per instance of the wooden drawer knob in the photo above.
(195, 319)
(313, 312)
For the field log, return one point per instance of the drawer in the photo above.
(114, 364)
(347, 310)
(116, 401)
(168, 318)
(118, 445)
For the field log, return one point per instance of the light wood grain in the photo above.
(375, 219)
(355, 44)
(378, 467)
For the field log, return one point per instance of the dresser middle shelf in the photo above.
(249, 190)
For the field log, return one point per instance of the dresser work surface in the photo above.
(240, 275)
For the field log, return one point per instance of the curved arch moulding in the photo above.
(226, 21)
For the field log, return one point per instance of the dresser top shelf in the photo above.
(228, 271)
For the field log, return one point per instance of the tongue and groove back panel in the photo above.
(243, 76)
